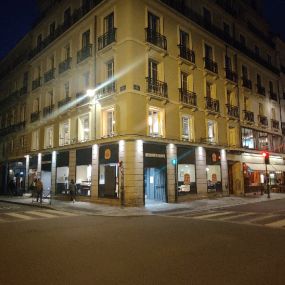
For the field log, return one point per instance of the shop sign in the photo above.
(155, 155)
(107, 154)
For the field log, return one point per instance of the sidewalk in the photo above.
(155, 208)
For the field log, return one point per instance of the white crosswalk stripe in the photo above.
(40, 214)
(277, 224)
(60, 213)
(212, 215)
(19, 216)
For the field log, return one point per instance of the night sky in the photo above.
(17, 17)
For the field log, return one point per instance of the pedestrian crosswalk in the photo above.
(272, 220)
(34, 215)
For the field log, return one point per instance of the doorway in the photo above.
(155, 189)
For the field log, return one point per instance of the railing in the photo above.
(212, 105)
(275, 124)
(64, 65)
(49, 75)
(48, 110)
(188, 97)
(36, 83)
(186, 53)
(63, 102)
(107, 38)
(14, 94)
(210, 65)
(23, 91)
(13, 128)
(157, 87)
(81, 100)
(260, 89)
(84, 53)
(226, 5)
(35, 116)
(248, 116)
(155, 38)
(231, 75)
(233, 111)
(262, 120)
(107, 90)
(273, 96)
(246, 83)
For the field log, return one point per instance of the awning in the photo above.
(279, 167)
(261, 167)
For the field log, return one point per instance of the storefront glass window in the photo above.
(213, 171)
(263, 141)
(248, 140)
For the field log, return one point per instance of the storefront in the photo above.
(83, 171)
(213, 171)
(109, 171)
(186, 171)
(46, 173)
(155, 173)
(33, 168)
(16, 176)
(62, 173)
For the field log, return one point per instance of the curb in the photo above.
(25, 204)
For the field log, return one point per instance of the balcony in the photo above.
(23, 91)
(49, 75)
(36, 83)
(84, 53)
(232, 111)
(13, 128)
(64, 65)
(82, 99)
(262, 120)
(275, 124)
(210, 65)
(188, 98)
(107, 90)
(260, 90)
(14, 94)
(107, 38)
(227, 6)
(246, 83)
(48, 110)
(231, 75)
(248, 116)
(283, 128)
(273, 96)
(155, 38)
(35, 116)
(157, 87)
(63, 102)
(212, 105)
(186, 53)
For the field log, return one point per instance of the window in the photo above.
(67, 16)
(52, 28)
(39, 40)
(50, 98)
(64, 133)
(66, 89)
(258, 80)
(86, 39)
(227, 29)
(108, 122)
(36, 105)
(207, 16)
(208, 52)
(48, 137)
(273, 112)
(248, 140)
(25, 79)
(209, 88)
(228, 62)
(51, 62)
(212, 131)
(256, 48)
(242, 40)
(270, 87)
(263, 141)
(153, 70)
(35, 140)
(110, 69)
(184, 81)
(67, 52)
(269, 59)
(153, 22)
(184, 39)
(186, 127)
(83, 128)
(155, 122)
(109, 23)
(260, 109)
(244, 72)
(22, 141)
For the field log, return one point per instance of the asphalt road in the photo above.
(82, 249)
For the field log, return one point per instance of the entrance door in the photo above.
(155, 189)
(110, 181)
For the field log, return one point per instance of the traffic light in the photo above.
(266, 157)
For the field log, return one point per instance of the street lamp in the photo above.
(265, 154)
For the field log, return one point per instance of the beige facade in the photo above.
(133, 73)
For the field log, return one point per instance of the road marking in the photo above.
(260, 218)
(277, 224)
(19, 216)
(60, 213)
(213, 215)
(40, 214)
(235, 216)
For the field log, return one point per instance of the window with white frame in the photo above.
(35, 140)
(66, 89)
(36, 105)
(64, 133)
(108, 122)
(23, 113)
(187, 127)
(155, 122)
(212, 131)
(22, 141)
(83, 128)
(49, 137)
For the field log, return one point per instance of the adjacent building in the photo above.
(141, 101)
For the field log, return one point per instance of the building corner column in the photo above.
(224, 169)
(95, 172)
(171, 153)
(201, 175)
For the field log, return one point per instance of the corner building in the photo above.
(143, 101)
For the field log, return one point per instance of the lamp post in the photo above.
(266, 162)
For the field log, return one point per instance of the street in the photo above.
(57, 247)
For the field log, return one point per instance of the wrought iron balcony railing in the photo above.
(273, 96)
(23, 91)
(107, 90)
(63, 102)
(153, 37)
(48, 110)
(212, 105)
(82, 98)
(210, 65)
(188, 97)
(156, 87)
(263, 120)
(232, 111)
(84, 53)
(231, 75)
(186, 53)
(35, 116)
(107, 38)
(248, 116)
(49, 75)
(246, 83)
(275, 124)
(36, 83)
(260, 89)
(64, 65)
